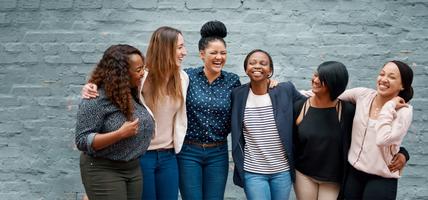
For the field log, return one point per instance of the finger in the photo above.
(135, 122)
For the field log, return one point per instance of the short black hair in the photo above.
(212, 31)
(262, 51)
(335, 75)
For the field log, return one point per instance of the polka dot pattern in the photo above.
(209, 106)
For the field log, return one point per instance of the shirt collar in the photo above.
(201, 72)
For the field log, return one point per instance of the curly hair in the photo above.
(112, 73)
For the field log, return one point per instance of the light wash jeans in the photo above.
(267, 186)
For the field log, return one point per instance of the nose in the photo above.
(218, 56)
(142, 72)
(257, 66)
(184, 52)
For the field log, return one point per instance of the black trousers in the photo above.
(360, 185)
(105, 179)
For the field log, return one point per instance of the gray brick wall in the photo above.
(47, 48)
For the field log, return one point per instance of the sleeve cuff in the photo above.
(90, 139)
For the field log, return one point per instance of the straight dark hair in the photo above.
(335, 75)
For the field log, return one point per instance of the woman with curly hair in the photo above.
(114, 129)
(163, 91)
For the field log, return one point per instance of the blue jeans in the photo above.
(267, 186)
(160, 175)
(203, 171)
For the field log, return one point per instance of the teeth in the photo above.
(383, 87)
(257, 73)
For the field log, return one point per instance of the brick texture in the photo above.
(48, 47)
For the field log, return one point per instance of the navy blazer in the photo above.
(283, 97)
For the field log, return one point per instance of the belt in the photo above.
(162, 150)
(205, 145)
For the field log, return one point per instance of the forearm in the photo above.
(104, 140)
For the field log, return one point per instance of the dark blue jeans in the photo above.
(160, 175)
(203, 171)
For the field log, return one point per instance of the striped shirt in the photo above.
(263, 150)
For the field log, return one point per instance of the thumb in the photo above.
(135, 121)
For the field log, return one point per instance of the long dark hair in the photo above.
(112, 73)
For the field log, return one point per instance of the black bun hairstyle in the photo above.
(211, 31)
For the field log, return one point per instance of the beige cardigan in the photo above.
(180, 124)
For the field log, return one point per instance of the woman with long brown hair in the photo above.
(163, 92)
(114, 129)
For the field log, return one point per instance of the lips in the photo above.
(218, 64)
(382, 86)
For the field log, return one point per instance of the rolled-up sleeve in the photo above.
(88, 123)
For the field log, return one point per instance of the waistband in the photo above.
(205, 145)
(161, 150)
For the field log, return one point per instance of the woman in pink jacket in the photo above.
(382, 119)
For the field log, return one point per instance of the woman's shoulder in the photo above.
(192, 70)
(287, 86)
(94, 103)
(230, 75)
(241, 88)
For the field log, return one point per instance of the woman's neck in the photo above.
(211, 76)
(259, 88)
(322, 101)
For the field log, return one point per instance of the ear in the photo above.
(202, 54)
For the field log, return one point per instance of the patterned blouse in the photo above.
(208, 106)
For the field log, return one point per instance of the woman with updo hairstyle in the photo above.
(203, 161)
(382, 119)
(114, 129)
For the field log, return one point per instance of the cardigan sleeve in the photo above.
(353, 94)
(392, 124)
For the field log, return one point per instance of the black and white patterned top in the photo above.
(99, 115)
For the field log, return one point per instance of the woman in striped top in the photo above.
(262, 121)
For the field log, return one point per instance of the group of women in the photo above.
(147, 113)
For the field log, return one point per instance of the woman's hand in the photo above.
(273, 83)
(128, 129)
(89, 91)
(399, 102)
(397, 163)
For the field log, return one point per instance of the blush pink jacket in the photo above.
(372, 151)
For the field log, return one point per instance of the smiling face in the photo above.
(214, 57)
(318, 88)
(389, 81)
(181, 51)
(136, 69)
(258, 67)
